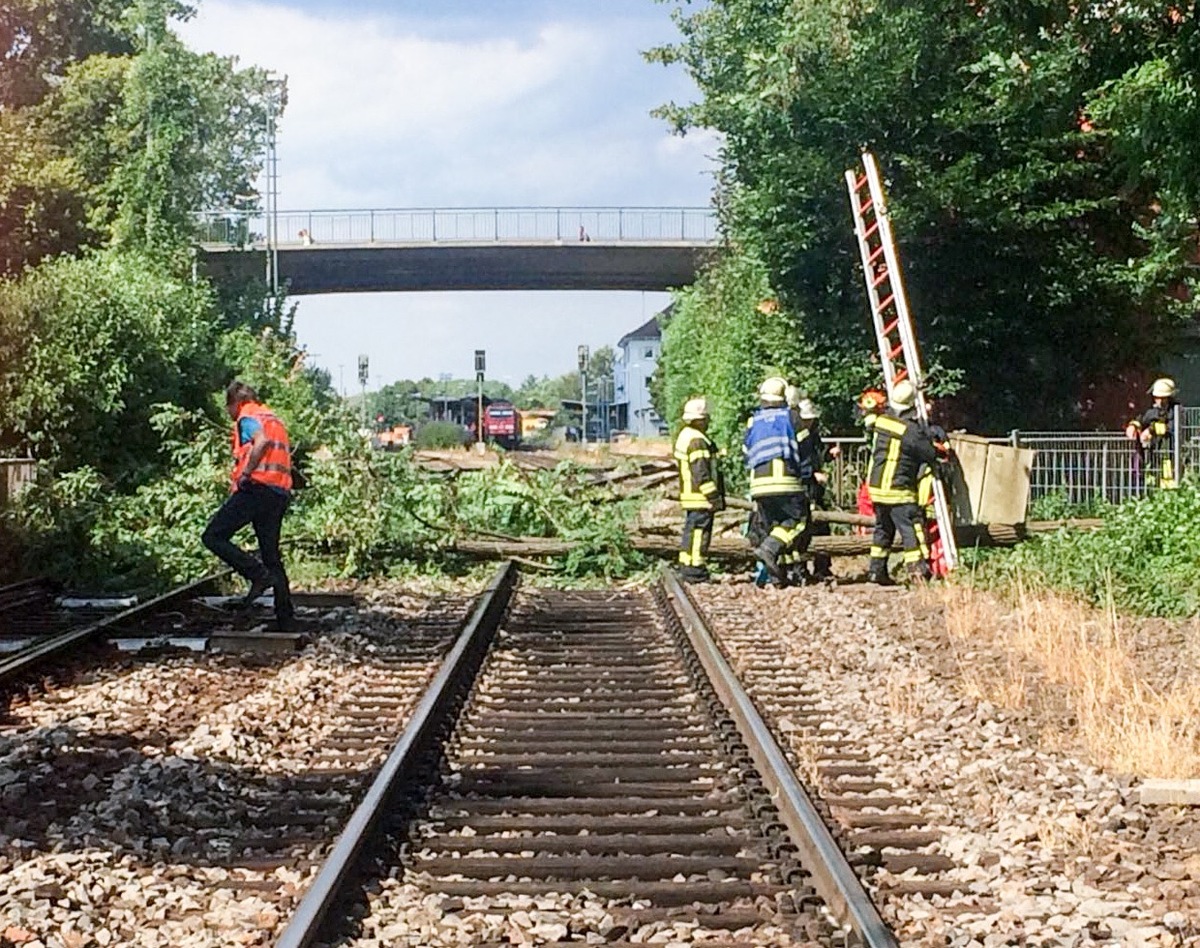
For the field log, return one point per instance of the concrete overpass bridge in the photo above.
(506, 248)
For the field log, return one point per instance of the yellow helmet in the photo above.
(903, 396)
(1163, 388)
(773, 391)
(695, 409)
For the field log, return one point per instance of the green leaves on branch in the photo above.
(1145, 559)
(1040, 165)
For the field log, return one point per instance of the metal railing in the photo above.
(691, 225)
(1081, 466)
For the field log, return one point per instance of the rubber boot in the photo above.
(822, 567)
(919, 573)
(694, 574)
(877, 573)
(768, 554)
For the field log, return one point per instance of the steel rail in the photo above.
(833, 877)
(31, 655)
(439, 700)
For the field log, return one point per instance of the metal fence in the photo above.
(693, 225)
(1083, 467)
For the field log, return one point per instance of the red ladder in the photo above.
(898, 353)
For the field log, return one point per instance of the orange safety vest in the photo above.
(274, 469)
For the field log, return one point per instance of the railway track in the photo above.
(36, 627)
(591, 772)
(210, 785)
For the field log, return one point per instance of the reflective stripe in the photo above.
(878, 553)
(894, 496)
(776, 481)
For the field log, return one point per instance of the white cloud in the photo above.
(389, 112)
(378, 114)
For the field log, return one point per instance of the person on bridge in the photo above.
(701, 490)
(260, 491)
(780, 461)
(1154, 438)
(902, 444)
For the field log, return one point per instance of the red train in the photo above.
(502, 424)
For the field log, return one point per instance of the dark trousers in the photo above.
(264, 509)
(785, 517)
(909, 522)
(697, 535)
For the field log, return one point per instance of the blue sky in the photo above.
(451, 103)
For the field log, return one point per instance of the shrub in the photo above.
(440, 434)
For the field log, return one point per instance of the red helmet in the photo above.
(872, 400)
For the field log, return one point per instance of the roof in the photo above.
(650, 329)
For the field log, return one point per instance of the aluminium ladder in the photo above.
(894, 331)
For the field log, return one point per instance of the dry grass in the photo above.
(1121, 721)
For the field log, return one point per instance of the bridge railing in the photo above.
(465, 225)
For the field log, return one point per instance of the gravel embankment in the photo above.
(154, 801)
(1048, 849)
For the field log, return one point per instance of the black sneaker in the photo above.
(258, 587)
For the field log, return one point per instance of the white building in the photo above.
(636, 359)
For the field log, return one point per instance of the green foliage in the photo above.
(439, 434)
(1018, 142)
(718, 343)
(1145, 559)
(92, 344)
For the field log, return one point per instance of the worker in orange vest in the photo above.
(260, 491)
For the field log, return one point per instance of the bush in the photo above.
(1145, 559)
(440, 434)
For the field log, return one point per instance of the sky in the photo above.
(461, 103)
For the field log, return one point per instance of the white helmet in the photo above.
(773, 391)
(808, 409)
(695, 409)
(903, 396)
(793, 396)
(1163, 388)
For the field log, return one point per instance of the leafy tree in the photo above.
(39, 39)
(1024, 230)
(99, 340)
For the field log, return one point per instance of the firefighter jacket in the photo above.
(1157, 420)
(779, 459)
(274, 468)
(901, 446)
(700, 481)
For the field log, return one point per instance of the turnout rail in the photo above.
(597, 746)
(31, 619)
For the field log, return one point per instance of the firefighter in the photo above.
(701, 490)
(780, 460)
(901, 445)
(1154, 437)
(871, 403)
(805, 417)
(260, 491)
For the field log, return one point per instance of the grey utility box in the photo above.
(991, 481)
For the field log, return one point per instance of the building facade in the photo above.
(636, 359)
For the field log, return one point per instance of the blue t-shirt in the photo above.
(248, 427)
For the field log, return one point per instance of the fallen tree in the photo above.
(738, 549)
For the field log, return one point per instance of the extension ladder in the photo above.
(894, 331)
